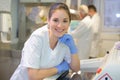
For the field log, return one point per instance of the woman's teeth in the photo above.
(58, 30)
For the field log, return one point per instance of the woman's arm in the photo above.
(68, 40)
(40, 74)
(75, 63)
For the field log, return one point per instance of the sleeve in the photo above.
(81, 29)
(96, 24)
(67, 57)
(31, 52)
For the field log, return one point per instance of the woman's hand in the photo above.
(68, 40)
(64, 66)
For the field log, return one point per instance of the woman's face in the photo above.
(58, 23)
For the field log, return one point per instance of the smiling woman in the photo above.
(49, 51)
(58, 23)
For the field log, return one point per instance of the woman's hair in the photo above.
(59, 6)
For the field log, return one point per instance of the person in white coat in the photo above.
(83, 33)
(50, 50)
(96, 31)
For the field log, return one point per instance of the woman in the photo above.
(49, 51)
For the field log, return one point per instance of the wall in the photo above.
(107, 41)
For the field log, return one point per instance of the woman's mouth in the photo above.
(59, 30)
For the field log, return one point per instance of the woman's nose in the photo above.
(60, 24)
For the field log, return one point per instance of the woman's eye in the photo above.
(65, 21)
(55, 20)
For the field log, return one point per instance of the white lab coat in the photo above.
(96, 35)
(37, 54)
(83, 36)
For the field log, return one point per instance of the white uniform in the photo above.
(83, 36)
(37, 54)
(96, 35)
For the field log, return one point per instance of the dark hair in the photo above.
(56, 6)
(92, 7)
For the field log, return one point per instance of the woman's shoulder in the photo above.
(39, 35)
(41, 31)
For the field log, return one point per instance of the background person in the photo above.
(95, 22)
(96, 31)
(83, 33)
(49, 51)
